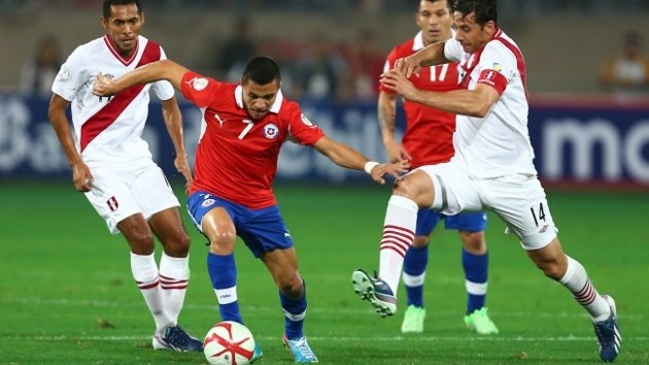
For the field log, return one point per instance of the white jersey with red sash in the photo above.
(498, 144)
(108, 130)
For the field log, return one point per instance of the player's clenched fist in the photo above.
(103, 85)
(408, 65)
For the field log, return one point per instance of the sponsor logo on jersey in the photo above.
(497, 67)
(207, 202)
(271, 131)
(221, 121)
(198, 83)
(306, 121)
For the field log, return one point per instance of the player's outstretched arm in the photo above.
(475, 103)
(155, 71)
(431, 55)
(345, 156)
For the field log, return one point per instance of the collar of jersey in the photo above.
(418, 42)
(238, 96)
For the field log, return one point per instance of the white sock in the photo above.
(414, 281)
(145, 273)
(174, 277)
(576, 280)
(398, 235)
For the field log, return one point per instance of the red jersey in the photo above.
(429, 132)
(236, 158)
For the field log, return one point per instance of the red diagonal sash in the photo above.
(109, 113)
(520, 60)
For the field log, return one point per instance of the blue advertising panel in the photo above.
(575, 142)
(593, 142)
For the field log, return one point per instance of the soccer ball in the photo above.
(229, 343)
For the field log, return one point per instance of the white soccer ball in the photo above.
(229, 343)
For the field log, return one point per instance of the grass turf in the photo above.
(67, 295)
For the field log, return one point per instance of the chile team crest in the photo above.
(271, 131)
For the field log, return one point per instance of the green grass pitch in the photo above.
(67, 295)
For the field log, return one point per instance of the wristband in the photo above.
(369, 165)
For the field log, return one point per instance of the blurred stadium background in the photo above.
(582, 131)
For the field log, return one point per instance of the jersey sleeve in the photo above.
(72, 75)
(497, 66)
(200, 90)
(453, 50)
(163, 88)
(301, 129)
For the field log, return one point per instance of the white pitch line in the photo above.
(272, 308)
(345, 339)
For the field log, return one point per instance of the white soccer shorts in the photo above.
(117, 194)
(519, 200)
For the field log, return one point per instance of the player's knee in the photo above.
(141, 242)
(403, 188)
(474, 242)
(178, 246)
(416, 187)
(223, 242)
(184, 241)
(292, 286)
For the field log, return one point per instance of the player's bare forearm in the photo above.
(387, 107)
(467, 102)
(429, 56)
(61, 126)
(475, 103)
(345, 156)
(433, 54)
(174, 123)
(341, 154)
(386, 111)
(81, 176)
(167, 70)
(155, 71)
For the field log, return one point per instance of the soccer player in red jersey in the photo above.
(245, 125)
(428, 140)
(112, 165)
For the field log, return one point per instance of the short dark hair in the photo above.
(448, 3)
(109, 3)
(484, 10)
(262, 70)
